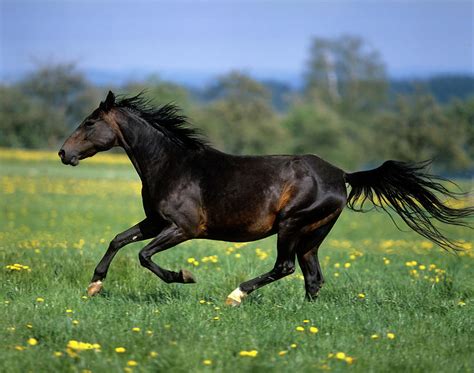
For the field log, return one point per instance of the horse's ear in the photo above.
(109, 102)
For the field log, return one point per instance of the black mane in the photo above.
(167, 119)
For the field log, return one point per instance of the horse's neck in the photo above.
(147, 149)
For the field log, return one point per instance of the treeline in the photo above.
(346, 112)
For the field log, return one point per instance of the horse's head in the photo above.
(98, 132)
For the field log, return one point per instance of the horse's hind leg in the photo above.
(307, 253)
(284, 266)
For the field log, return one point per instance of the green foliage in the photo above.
(419, 129)
(26, 123)
(241, 119)
(347, 73)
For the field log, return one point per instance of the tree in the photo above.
(241, 120)
(346, 72)
(28, 124)
(419, 129)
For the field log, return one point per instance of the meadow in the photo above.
(392, 300)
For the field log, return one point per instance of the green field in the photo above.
(391, 302)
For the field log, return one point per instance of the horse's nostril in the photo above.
(61, 153)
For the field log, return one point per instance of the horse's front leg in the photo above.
(141, 231)
(168, 237)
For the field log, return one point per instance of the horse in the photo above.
(190, 190)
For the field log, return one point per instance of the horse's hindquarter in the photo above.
(245, 198)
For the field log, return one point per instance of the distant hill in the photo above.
(444, 88)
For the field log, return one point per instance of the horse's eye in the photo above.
(89, 123)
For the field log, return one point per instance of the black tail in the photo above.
(408, 190)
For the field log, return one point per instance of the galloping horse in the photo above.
(191, 190)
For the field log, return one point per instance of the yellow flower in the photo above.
(386, 261)
(58, 353)
(69, 311)
(422, 267)
(120, 350)
(313, 330)
(282, 353)
(75, 322)
(374, 336)
(202, 301)
(390, 336)
(347, 265)
(349, 360)
(40, 300)
(216, 317)
(29, 326)
(336, 274)
(299, 329)
(153, 354)
(251, 353)
(361, 295)
(461, 303)
(293, 345)
(207, 362)
(340, 355)
(306, 321)
(352, 257)
(19, 348)
(32, 342)
(337, 265)
(149, 332)
(135, 329)
(132, 363)
(238, 255)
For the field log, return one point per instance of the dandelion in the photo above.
(251, 353)
(340, 355)
(361, 295)
(153, 354)
(374, 336)
(57, 354)
(75, 322)
(422, 267)
(207, 362)
(69, 311)
(132, 363)
(386, 261)
(461, 303)
(40, 300)
(336, 274)
(390, 336)
(149, 332)
(337, 265)
(347, 265)
(135, 329)
(32, 341)
(238, 255)
(313, 330)
(216, 318)
(299, 329)
(349, 360)
(283, 353)
(306, 321)
(202, 301)
(352, 257)
(120, 350)
(29, 326)
(19, 348)
(293, 345)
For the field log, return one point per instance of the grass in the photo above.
(58, 220)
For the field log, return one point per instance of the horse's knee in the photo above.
(143, 258)
(286, 268)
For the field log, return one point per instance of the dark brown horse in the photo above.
(191, 190)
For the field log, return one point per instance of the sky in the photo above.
(267, 38)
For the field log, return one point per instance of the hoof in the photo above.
(94, 288)
(234, 299)
(187, 276)
(232, 302)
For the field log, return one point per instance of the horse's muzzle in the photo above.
(70, 159)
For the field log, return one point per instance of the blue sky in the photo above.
(262, 37)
